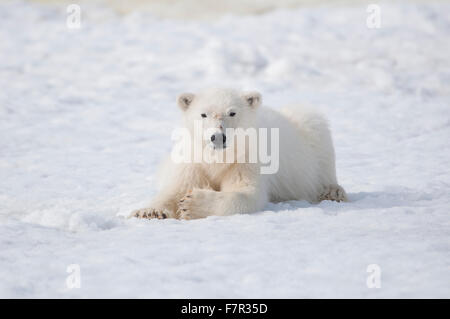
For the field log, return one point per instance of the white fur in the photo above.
(306, 161)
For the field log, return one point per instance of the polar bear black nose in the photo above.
(218, 136)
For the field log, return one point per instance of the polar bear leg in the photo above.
(241, 191)
(200, 203)
(179, 179)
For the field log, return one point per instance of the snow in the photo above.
(87, 114)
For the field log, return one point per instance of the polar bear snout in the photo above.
(219, 139)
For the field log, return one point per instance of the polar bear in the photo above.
(196, 189)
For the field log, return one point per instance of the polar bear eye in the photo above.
(232, 114)
(203, 115)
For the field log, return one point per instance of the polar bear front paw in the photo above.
(150, 213)
(194, 205)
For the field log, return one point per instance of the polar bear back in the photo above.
(306, 153)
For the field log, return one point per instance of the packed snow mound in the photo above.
(87, 114)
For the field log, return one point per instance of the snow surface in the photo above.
(86, 115)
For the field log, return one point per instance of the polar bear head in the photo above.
(217, 111)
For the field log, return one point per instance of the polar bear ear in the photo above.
(253, 98)
(184, 100)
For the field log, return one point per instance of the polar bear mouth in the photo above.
(218, 146)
